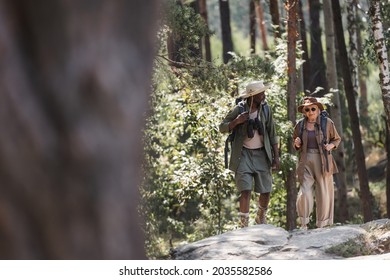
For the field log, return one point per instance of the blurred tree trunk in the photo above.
(203, 13)
(363, 74)
(252, 26)
(365, 194)
(292, 35)
(197, 52)
(335, 112)
(174, 42)
(227, 41)
(261, 23)
(351, 6)
(317, 64)
(305, 55)
(361, 69)
(384, 79)
(74, 91)
(274, 10)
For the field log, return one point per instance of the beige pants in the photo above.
(324, 193)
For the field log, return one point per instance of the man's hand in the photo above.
(241, 118)
(276, 164)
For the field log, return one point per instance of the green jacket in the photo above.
(269, 136)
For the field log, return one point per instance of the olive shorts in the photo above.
(254, 166)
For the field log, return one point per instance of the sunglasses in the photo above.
(312, 109)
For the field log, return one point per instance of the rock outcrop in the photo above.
(370, 241)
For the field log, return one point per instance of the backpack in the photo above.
(323, 122)
(230, 137)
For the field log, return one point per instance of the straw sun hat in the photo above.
(307, 101)
(254, 88)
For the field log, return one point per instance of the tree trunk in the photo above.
(227, 41)
(305, 55)
(274, 10)
(335, 111)
(261, 23)
(174, 43)
(317, 64)
(252, 26)
(384, 78)
(363, 105)
(292, 34)
(196, 52)
(353, 52)
(365, 194)
(362, 72)
(203, 13)
(74, 92)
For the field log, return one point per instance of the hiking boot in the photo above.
(244, 220)
(260, 217)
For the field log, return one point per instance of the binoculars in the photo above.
(254, 124)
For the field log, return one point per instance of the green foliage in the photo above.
(186, 26)
(185, 179)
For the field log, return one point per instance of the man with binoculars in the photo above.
(254, 152)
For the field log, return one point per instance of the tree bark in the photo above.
(261, 23)
(365, 194)
(174, 43)
(197, 52)
(335, 111)
(292, 34)
(274, 10)
(252, 26)
(74, 93)
(317, 64)
(203, 13)
(227, 41)
(384, 79)
(305, 49)
(363, 74)
(353, 51)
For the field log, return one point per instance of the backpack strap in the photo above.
(300, 123)
(323, 123)
(266, 111)
(324, 120)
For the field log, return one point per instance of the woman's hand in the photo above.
(297, 142)
(329, 147)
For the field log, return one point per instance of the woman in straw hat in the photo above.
(254, 149)
(316, 165)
